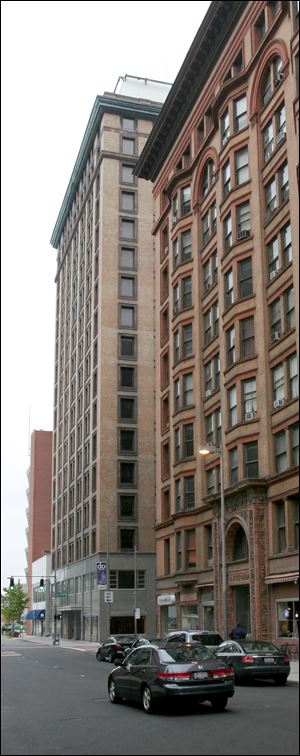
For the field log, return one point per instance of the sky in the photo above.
(56, 58)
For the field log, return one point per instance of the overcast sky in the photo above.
(56, 58)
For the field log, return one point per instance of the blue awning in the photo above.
(35, 614)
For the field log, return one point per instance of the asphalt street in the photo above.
(54, 701)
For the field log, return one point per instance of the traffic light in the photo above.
(42, 583)
(11, 582)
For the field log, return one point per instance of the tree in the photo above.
(13, 603)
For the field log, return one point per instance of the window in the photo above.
(273, 256)
(240, 113)
(187, 340)
(177, 395)
(225, 129)
(209, 223)
(127, 286)
(295, 444)
(127, 473)
(227, 227)
(127, 408)
(280, 124)
(287, 618)
(127, 346)
(208, 178)
(127, 316)
(245, 277)
(178, 551)
(127, 440)
(241, 166)
(231, 356)
(226, 178)
(240, 550)
(250, 452)
(275, 319)
(270, 195)
(190, 548)
(177, 495)
(188, 492)
(208, 546)
(128, 229)
(210, 481)
(289, 308)
(280, 451)
(128, 146)
(278, 382)
(128, 201)
(293, 376)
(187, 381)
(233, 465)
(287, 244)
(188, 440)
(268, 140)
(127, 539)
(260, 27)
(247, 342)
(185, 200)
(284, 182)
(177, 444)
(280, 521)
(228, 279)
(243, 219)
(212, 374)
(127, 506)
(186, 246)
(128, 124)
(186, 292)
(232, 405)
(127, 176)
(249, 398)
(167, 556)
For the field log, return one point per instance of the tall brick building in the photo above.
(103, 448)
(223, 158)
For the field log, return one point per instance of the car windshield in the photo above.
(259, 646)
(208, 640)
(184, 654)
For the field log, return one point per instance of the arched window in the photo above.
(271, 79)
(208, 177)
(240, 550)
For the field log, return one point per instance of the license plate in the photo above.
(200, 675)
(269, 660)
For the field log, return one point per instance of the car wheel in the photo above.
(113, 696)
(280, 679)
(147, 700)
(110, 656)
(219, 703)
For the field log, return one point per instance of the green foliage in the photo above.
(13, 603)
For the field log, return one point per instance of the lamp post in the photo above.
(204, 451)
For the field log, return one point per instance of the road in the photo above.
(54, 701)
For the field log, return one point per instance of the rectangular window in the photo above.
(243, 219)
(225, 129)
(167, 556)
(188, 440)
(185, 200)
(187, 340)
(127, 377)
(128, 229)
(247, 342)
(127, 539)
(178, 552)
(293, 377)
(275, 319)
(187, 381)
(127, 257)
(273, 257)
(284, 182)
(127, 176)
(268, 140)
(288, 614)
(249, 398)
(280, 520)
(233, 465)
(188, 491)
(280, 451)
(127, 408)
(289, 308)
(228, 287)
(287, 244)
(245, 282)
(226, 178)
(186, 292)
(270, 197)
(227, 226)
(128, 124)
(232, 404)
(186, 246)
(127, 286)
(295, 444)
(241, 166)
(250, 451)
(127, 473)
(127, 316)
(190, 548)
(278, 383)
(127, 440)
(231, 356)
(128, 201)
(128, 146)
(177, 495)
(127, 506)
(127, 346)
(240, 113)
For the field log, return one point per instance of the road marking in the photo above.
(10, 653)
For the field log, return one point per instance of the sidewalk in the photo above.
(91, 647)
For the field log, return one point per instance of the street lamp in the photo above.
(204, 451)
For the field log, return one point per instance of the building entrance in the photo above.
(242, 606)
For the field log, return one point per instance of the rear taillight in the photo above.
(286, 658)
(247, 659)
(117, 647)
(224, 672)
(174, 676)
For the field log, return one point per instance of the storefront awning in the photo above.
(34, 614)
(287, 577)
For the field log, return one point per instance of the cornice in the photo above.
(103, 104)
(210, 40)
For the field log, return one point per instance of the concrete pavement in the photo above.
(91, 647)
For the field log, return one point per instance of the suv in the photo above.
(208, 638)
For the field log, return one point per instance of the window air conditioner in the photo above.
(243, 234)
(275, 336)
(274, 273)
(278, 403)
(249, 415)
(208, 393)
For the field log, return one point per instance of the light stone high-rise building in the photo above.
(103, 486)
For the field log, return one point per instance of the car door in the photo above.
(230, 653)
(134, 671)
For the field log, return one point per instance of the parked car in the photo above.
(153, 674)
(114, 647)
(208, 638)
(255, 658)
(143, 642)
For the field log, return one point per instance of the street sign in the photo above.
(108, 597)
(62, 594)
(137, 614)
